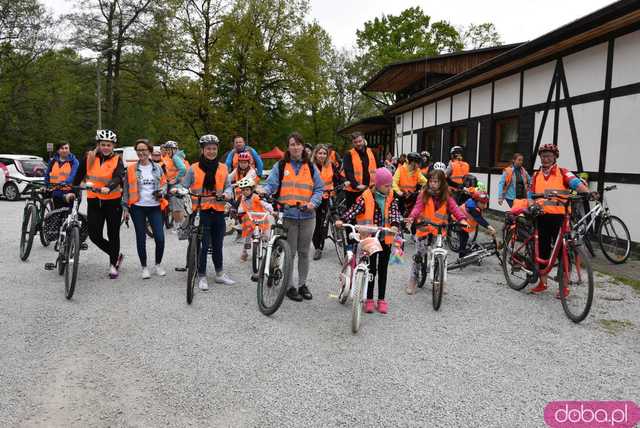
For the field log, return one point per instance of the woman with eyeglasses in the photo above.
(145, 185)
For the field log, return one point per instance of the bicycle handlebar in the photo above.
(366, 229)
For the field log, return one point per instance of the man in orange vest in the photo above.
(104, 170)
(62, 169)
(514, 181)
(359, 166)
(551, 177)
(457, 168)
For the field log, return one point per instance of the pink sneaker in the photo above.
(382, 306)
(369, 306)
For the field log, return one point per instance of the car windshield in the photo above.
(33, 167)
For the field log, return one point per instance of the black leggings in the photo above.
(98, 213)
(548, 227)
(378, 264)
(320, 232)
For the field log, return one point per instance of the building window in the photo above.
(506, 140)
(430, 140)
(459, 136)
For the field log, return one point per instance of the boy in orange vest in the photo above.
(472, 209)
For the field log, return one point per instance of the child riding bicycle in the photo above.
(434, 205)
(473, 209)
(251, 202)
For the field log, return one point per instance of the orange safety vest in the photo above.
(357, 168)
(519, 204)
(425, 171)
(134, 194)
(208, 202)
(172, 171)
(473, 224)
(408, 181)
(327, 178)
(429, 213)
(458, 170)
(100, 175)
(509, 176)
(296, 188)
(59, 174)
(366, 217)
(555, 182)
(247, 224)
(234, 162)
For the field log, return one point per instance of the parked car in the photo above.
(128, 154)
(24, 167)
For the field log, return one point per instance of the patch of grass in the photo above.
(633, 283)
(615, 326)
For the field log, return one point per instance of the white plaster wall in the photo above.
(429, 115)
(406, 144)
(547, 134)
(506, 94)
(537, 82)
(481, 100)
(623, 203)
(461, 106)
(585, 70)
(444, 111)
(623, 148)
(417, 118)
(493, 194)
(406, 119)
(588, 120)
(626, 60)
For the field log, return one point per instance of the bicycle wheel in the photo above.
(29, 223)
(167, 219)
(587, 243)
(193, 251)
(46, 208)
(421, 271)
(148, 229)
(438, 281)
(614, 239)
(578, 281)
(255, 256)
(344, 282)
(229, 225)
(271, 293)
(514, 257)
(72, 259)
(360, 282)
(339, 240)
(453, 239)
(61, 257)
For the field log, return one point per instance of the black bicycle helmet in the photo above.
(414, 157)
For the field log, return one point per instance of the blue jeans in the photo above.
(213, 228)
(139, 215)
(509, 202)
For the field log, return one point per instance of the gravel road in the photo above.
(129, 352)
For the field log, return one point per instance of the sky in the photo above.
(516, 20)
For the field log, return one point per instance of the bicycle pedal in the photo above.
(49, 266)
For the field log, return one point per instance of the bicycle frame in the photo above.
(438, 250)
(273, 237)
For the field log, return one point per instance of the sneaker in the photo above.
(119, 262)
(113, 272)
(244, 256)
(222, 278)
(382, 306)
(369, 306)
(539, 288)
(145, 273)
(293, 294)
(411, 288)
(305, 293)
(203, 285)
(83, 246)
(238, 239)
(317, 255)
(566, 293)
(160, 271)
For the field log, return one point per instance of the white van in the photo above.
(128, 154)
(24, 167)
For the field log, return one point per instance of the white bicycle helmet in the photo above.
(456, 149)
(439, 165)
(106, 135)
(245, 182)
(170, 145)
(207, 139)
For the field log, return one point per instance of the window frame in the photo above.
(498, 124)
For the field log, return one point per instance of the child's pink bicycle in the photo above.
(354, 276)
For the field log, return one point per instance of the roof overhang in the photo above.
(367, 125)
(582, 31)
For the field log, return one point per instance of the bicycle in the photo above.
(477, 253)
(275, 265)
(36, 208)
(520, 255)
(354, 277)
(453, 238)
(435, 265)
(68, 245)
(258, 244)
(333, 213)
(598, 222)
(167, 221)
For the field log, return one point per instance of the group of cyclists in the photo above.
(413, 195)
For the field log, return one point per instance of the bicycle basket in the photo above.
(370, 245)
(53, 222)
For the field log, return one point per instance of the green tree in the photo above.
(477, 36)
